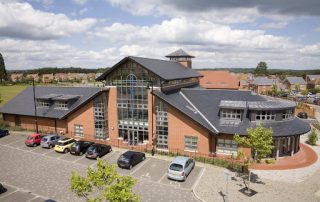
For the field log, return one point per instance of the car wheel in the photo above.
(130, 167)
(50, 146)
(34, 144)
(143, 158)
(81, 153)
(110, 150)
(66, 151)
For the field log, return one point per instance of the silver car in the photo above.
(49, 141)
(180, 168)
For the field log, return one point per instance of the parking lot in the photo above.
(151, 173)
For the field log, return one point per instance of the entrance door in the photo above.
(133, 137)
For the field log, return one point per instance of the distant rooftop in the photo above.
(296, 80)
(262, 81)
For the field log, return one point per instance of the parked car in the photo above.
(98, 150)
(64, 145)
(33, 140)
(130, 159)
(3, 133)
(302, 115)
(49, 141)
(180, 168)
(80, 147)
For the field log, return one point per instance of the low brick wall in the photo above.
(306, 108)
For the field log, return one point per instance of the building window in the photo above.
(99, 110)
(287, 114)
(61, 105)
(226, 146)
(233, 114)
(78, 130)
(162, 125)
(265, 115)
(190, 143)
(42, 103)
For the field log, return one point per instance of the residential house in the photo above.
(47, 78)
(16, 77)
(313, 81)
(295, 83)
(261, 85)
(218, 80)
(33, 76)
(61, 77)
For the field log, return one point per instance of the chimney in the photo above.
(182, 57)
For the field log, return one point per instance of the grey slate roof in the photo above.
(296, 80)
(167, 70)
(271, 105)
(179, 53)
(262, 81)
(23, 104)
(313, 77)
(232, 104)
(207, 102)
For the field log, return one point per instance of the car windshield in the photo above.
(76, 144)
(60, 143)
(29, 138)
(44, 139)
(124, 158)
(176, 167)
(92, 149)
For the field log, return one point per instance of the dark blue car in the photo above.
(3, 133)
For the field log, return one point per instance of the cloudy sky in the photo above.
(98, 33)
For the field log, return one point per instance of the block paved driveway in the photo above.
(35, 173)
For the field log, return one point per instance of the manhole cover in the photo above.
(247, 192)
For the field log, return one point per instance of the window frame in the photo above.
(189, 144)
(78, 128)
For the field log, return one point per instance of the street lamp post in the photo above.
(35, 107)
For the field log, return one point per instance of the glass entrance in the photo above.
(133, 137)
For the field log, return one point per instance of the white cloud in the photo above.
(317, 29)
(80, 2)
(27, 54)
(187, 32)
(311, 50)
(20, 20)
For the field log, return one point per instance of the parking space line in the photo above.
(198, 179)
(12, 142)
(82, 157)
(165, 174)
(32, 198)
(9, 194)
(145, 161)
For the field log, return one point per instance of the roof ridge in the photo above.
(200, 113)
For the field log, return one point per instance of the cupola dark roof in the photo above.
(179, 53)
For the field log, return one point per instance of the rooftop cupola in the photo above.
(182, 57)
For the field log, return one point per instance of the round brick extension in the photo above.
(305, 157)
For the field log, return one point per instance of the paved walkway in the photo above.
(305, 157)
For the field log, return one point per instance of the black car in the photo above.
(302, 115)
(97, 150)
(80, 147)
(3, 133)
(130, 159)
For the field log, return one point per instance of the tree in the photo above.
(312, 138)
(259, 140)
(104, 184)
(261, 69)
(3, 72)
(274, 89)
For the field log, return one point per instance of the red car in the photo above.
(33, 140)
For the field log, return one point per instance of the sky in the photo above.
(220, 34)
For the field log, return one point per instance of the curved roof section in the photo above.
(167, 70)
(23, 103)
(208, 103)
(271, 105)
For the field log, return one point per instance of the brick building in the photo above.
(219, 80)
(157, 103)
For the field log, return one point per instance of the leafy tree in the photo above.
(103, 184)
(274, 89)
(3, 71)
(261, 69)
(297, 87)
(313, 138)
(259, 140)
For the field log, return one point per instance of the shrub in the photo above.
(312, 138)
(270, 161)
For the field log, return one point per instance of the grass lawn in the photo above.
(8, 92)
